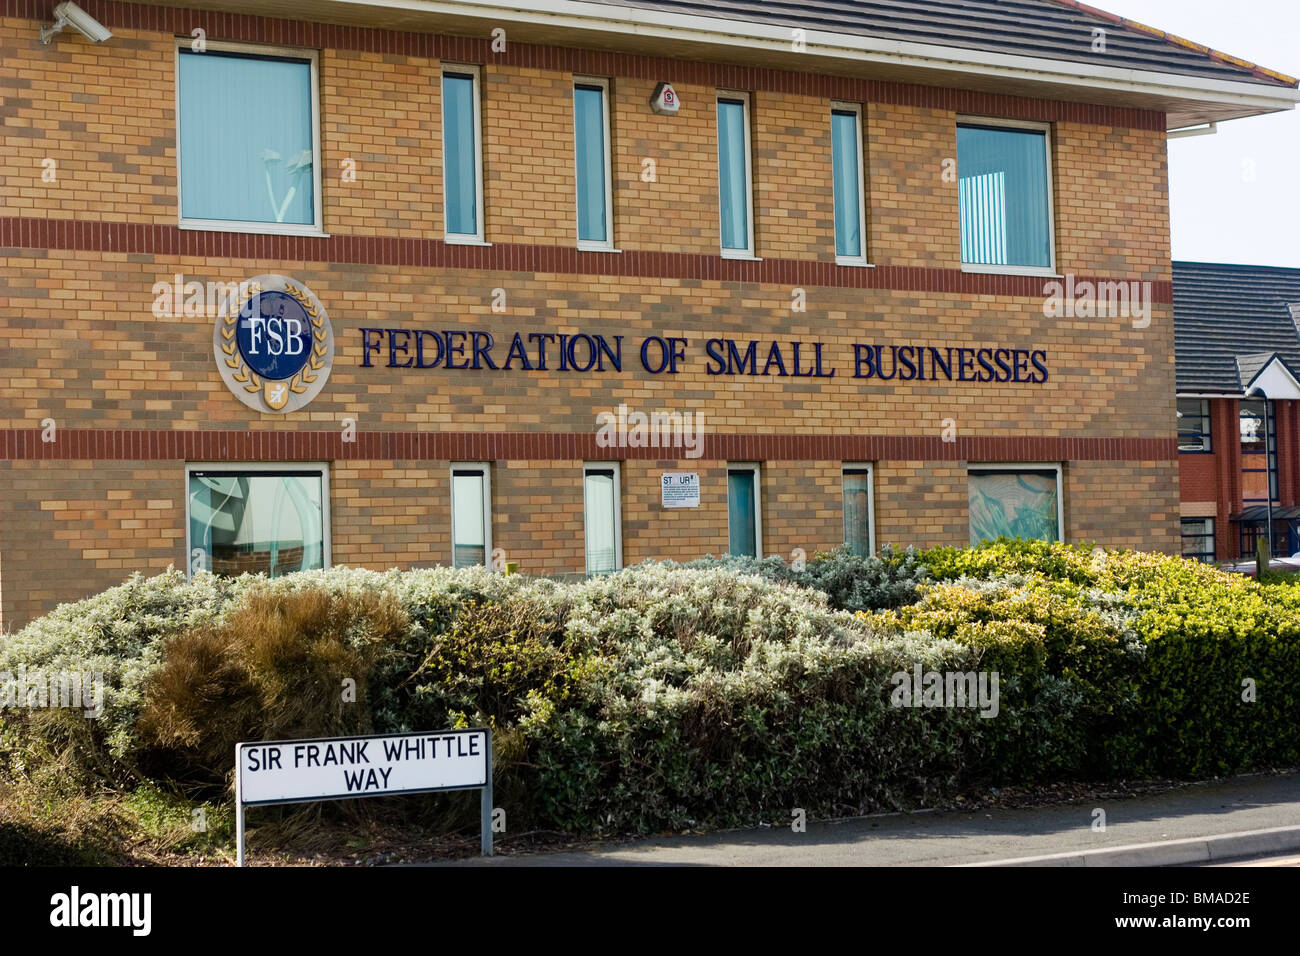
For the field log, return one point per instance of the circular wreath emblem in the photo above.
(273, 344)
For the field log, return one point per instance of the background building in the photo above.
(854, 246)
(1238, 407)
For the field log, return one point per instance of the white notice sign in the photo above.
(680, 489)
(289, 771)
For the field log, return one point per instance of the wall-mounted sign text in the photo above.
(479, 350)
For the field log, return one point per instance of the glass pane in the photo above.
(598, 498)
(1198, 538)
(848, 184)
(1003, 197)
(468, 530)
(733, 180)
(1258, 470)
(589, 130)
(857, 520)
(246, 139)
(269, 522)
(740, 513)
(458, 151)
(1193, 424)
(1013, 504)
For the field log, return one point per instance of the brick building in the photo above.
(1238, 352)
(395, 285)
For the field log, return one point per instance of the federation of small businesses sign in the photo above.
(305, 771)
(274, 345)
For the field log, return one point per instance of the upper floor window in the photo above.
(249, 155)
(850, 207)
(592, 164)
(1193, 424)
(735, 185)
(1258, 451)
(1005, 197)
(462, 155)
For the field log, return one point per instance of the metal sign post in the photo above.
(340, 768)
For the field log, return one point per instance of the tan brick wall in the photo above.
(79, 342)
(72, 528)
(1123, 504)
(106, 117)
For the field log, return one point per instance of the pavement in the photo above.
(1240, 818)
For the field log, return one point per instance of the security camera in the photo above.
(70, 15)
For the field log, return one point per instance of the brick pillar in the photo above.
(1225, 435)
(1288, 453)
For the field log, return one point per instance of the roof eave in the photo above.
(1187, 100)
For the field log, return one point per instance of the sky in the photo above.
(1219, 211)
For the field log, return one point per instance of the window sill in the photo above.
(586, 248)
(1034, 271)
(741, 257)
(252, 228)
(464, 241)
(854, 263)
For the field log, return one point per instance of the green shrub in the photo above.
(273, 668)
(850, 582)
(722, 693)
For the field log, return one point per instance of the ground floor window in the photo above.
(272, 520)
(471, 515)
(1015, 501)
(1252, 525)
(1198, 538)
(744, 519)
(858, 510)
(601, 517)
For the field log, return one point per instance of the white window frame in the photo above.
(485, 470)
(618, 510)
(870, 469)
(1025, 466)
(316, 228)
(747, 253)
(588, 244)
(1046, 128)
(757, 469)
(464, 238)
(261, 467)
(838, 106)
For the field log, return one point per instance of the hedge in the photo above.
(720, 694)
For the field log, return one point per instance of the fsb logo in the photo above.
(273, 344)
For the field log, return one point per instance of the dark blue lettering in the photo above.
(1039, 364)
(711, 349)
(483, 343)
(451, 350)
(773, 355)
(367, 347)
(542, 338)
(517, 351)
(394, 348)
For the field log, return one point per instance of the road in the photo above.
(1255, 802)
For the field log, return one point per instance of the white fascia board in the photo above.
(576, 15)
